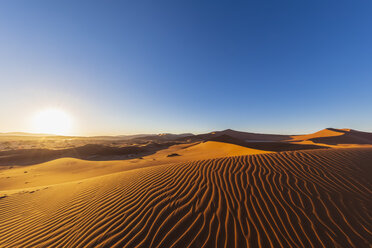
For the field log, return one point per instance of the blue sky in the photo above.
(187, 66)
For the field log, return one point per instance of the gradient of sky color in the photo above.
(187, 66)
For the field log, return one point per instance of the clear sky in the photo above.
(122, 67)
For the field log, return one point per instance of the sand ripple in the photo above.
(318, 198)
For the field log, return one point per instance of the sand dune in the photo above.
(70, 169)
(328, 132)
(237, 135)
(314, 198)
(334, 137)
(210, 149)
(88, 152)
(273, 146)
(16, 154)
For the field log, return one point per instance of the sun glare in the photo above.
(52, 121)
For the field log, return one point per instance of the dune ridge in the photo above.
(333, 136)
(313, 198)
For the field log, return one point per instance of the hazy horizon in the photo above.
(165, 132)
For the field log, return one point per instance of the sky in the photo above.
(125, 67)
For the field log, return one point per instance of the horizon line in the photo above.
(22, 133)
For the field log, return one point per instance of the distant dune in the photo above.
(333, 136)
(274, 146)
(129, 146)
(328, 132)
(245, 136)
(346, 137)
(314, 198)
(88, 152)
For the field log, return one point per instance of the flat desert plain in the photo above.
(221, 189)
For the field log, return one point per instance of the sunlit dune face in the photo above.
(52, 121)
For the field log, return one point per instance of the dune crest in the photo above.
(328, 132)
(64, 170)
(336, 138)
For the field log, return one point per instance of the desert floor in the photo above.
(212, 195)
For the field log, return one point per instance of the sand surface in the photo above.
(313, 198)
(319, 134)
(70, 169)
(335, 138)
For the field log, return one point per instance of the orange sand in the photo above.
(314, 198)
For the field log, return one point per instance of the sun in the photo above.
(52, 121)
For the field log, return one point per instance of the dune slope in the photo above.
(333, 136)
(314, 198)
(65, 170)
